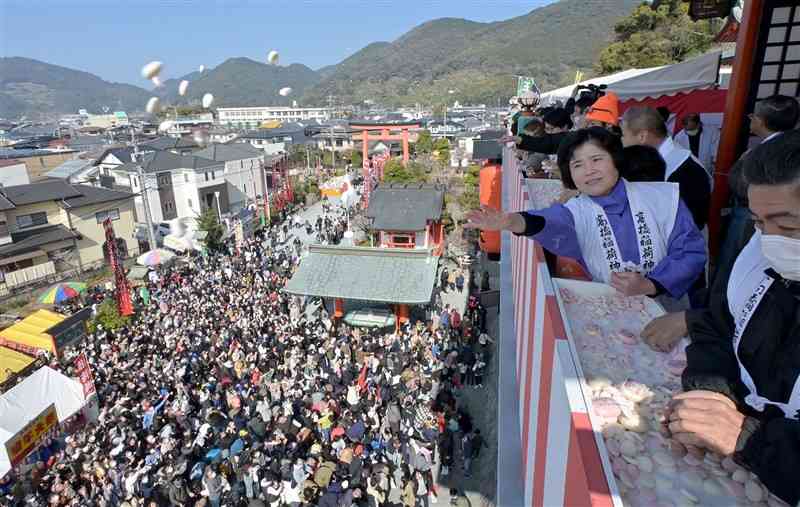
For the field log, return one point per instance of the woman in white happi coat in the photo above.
(638, 237)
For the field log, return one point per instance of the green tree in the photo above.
(441, 149)
(108, 316)
(395, 172)
(660, 33)
(209, 222)
(470, 199)
(424, 144)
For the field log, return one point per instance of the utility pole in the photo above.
(331, 103)
(145, 199)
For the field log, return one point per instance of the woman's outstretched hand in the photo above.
(490, 219)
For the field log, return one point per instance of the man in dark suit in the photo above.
(645, 126)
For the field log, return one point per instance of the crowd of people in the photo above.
(225, 390)
(633, 215)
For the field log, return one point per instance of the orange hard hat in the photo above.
(605, 109)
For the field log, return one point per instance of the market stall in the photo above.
(30, 334)
(32, 411)
(12, 362)
(590, 394)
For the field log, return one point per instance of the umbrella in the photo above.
(61, 292)
(155, 257)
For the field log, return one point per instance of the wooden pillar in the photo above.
(365, 147)
(401, 314)
(338, 308)
(405, 146)
(735, 113)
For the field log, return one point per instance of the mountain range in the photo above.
(438, 61)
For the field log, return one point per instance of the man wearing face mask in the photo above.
(702, 140)
(742, 381)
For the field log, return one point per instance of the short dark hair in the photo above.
(558, 118)
(598, 136)
(643, 163)
(641, 118)
(779, 112)
(664, 112)
(776, 162)
(691, 117)
(584, 102)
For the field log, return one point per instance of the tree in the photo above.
(441, 149)
(660, 33)
(209, 222)
(470, 199)
(395, 172)
(424, 144)
(108, 316)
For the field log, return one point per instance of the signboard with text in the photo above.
(32, 435)
(84, 373)
(708, 9)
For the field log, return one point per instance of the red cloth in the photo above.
(337, 432)
(362, 378)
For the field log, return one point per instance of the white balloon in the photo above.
(153, 105)
(208, 99)
(285, 91)
(166, 125)
(201, 68)
(156, 81)
(151, 70)
(273, 57)
(182, 87)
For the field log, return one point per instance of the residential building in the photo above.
(244, 171)
(251, 117)
(177, 185)
(185, 125)
(77, 171)
(264, 138)
(38, 162)
(13, 172)
(408, 216)
(105, 121)
(341, 137)
(53, 221)
(222, 134)
(181, 145)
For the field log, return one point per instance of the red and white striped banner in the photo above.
(561, 463)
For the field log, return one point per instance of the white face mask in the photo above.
(783, 254)
(692, 132)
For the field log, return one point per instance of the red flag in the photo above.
(362, 378)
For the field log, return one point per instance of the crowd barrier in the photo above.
(556, 459)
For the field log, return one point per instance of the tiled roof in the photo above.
(384, 275)
(405, 207)
(27, 241)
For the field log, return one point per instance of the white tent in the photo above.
(638, 84)
(25, 401)
(565, 92)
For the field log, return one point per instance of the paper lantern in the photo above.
(156, 81)
(153, 105)
(285, 91)
(151, 70)
(273, 57)
(208, 99)
(183, 87)
(201, 68)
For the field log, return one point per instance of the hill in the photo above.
(478, 61)
(30, 87)
(242, 81)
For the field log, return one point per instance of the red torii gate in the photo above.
(385, 129)
(376, 165)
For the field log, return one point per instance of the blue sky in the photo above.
(114, 38)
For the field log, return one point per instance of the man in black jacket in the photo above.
(644, 125)
(742, 381)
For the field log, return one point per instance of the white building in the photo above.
(178, 186)
(243, 171)
(252, 117)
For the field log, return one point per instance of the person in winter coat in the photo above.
(178, 493)
(444, 278)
